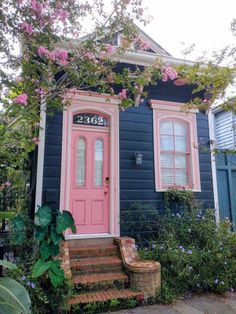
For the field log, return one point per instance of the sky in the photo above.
(179, 24)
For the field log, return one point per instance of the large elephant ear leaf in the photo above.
(14, 294)
(8, 265)
(43, 216)
(65, 220)
(8, 308)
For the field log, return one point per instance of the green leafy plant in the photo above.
(14, 298)
(196, 255)
(49, 232)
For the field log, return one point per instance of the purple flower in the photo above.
(216, 281)
(33, 286)
(189, 252)
(190, 268)
(182, 249)
(178, 215)
(222, 283)
(28, 283)
(23, 278)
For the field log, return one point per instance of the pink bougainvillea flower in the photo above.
(27, 28)
(62, 15)
(40, 91)
(61, 56)
(164, 77)
(144, 45)
(42, 51)
(103, 54)
(89, 56)
(109, 48)
(36, 140)
(123, 94)
(21, 99)
(7, 184)
(170, 72)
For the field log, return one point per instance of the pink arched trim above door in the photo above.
(109, 107)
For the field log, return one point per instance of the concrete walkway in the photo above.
(205, 304)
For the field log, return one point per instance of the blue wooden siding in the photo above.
(137, 183)
(226, 183)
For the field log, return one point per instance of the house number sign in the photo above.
(90, 119)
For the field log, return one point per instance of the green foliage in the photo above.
(14, 297)
(181, 198)
(39, 270)
(8, 265)
(196, 255)
(49, 232)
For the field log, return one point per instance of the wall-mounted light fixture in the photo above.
(138, 158)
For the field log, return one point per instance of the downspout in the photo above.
(40, 163)
(211, 121)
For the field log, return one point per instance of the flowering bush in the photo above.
(196, 255)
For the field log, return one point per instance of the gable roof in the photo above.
(158, 49)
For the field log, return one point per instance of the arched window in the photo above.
(175, 153)
(175, 146)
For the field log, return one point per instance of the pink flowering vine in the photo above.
(7, 184)
(142, 45)
(59, 55)
(21, 99)
(123, 94)
(168, 73)
(36, 140)
(27, 28)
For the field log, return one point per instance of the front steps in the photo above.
(97, 273)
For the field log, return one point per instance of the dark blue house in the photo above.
(96, 161)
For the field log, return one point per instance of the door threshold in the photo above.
(89, 236)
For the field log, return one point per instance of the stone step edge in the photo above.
(102, 247)
(105, 296)
(99, 278)
(100, 261)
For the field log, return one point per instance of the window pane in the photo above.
(167, 161)
(180, 144)
(166, 127)
(180, 128)
(80, 165)
(181, 178)
(98, 163)
(181, 161)
(167, 177)
(167, 142)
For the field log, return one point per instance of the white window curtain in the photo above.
(174, 153)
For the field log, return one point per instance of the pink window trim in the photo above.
(172, 110)
(187, 154)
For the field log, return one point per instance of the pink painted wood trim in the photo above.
(189, 117)
(165, 103)
(84, 101)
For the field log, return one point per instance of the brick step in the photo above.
(98, 282)
(100, 250)
(96, 265)
(105, 296)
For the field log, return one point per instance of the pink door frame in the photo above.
(109, 106)
(89, 204)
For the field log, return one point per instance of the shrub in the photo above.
(196, 255)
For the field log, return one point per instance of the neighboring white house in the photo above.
(223, 139)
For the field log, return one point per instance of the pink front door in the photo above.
(89, 192)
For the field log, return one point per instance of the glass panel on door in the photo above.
(98, 163)
(80, 162)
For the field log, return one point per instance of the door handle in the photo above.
(105, 192)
